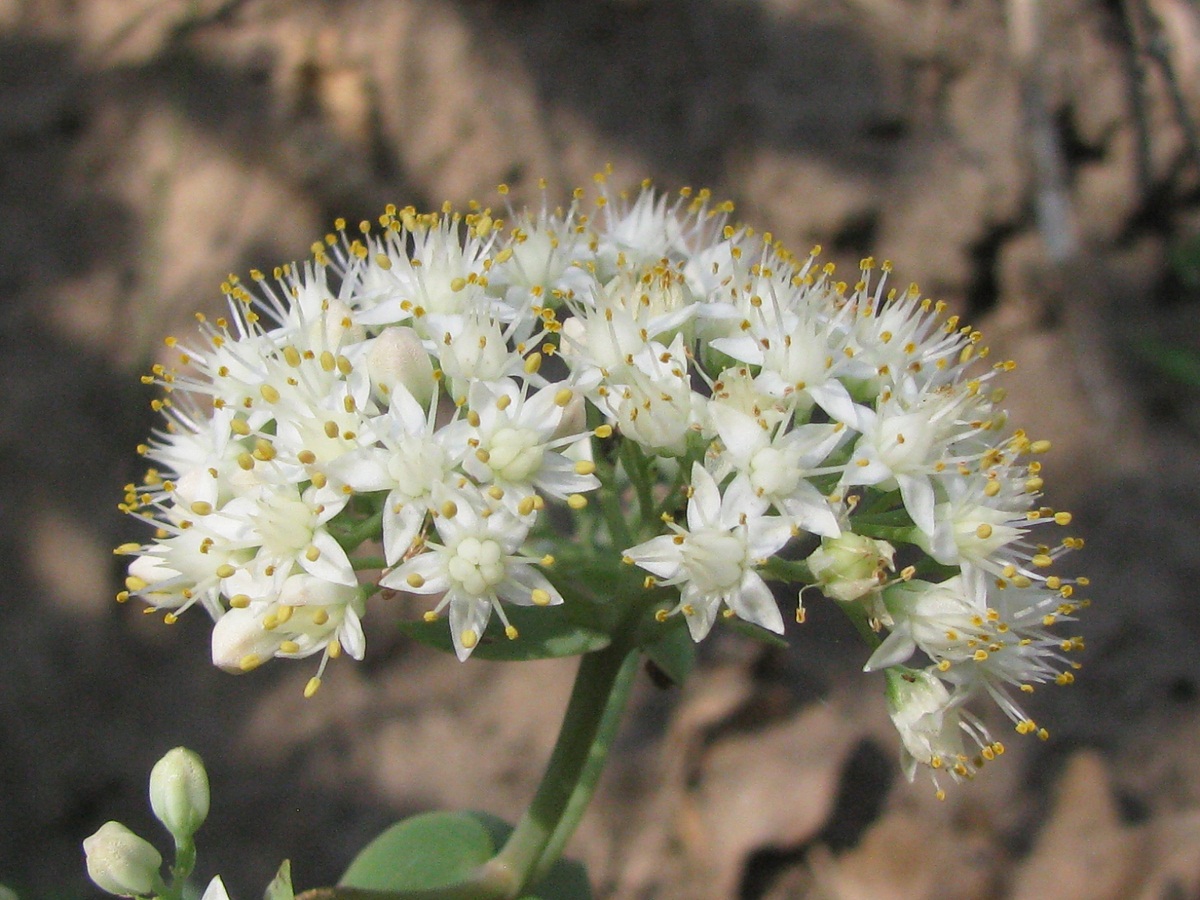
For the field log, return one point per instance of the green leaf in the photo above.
(429, 850)
(440, 849)
(543, 633)
(674, 654)
(280, 887)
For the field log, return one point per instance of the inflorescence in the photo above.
(442, 403)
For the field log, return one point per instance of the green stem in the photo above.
(637, 468)
(597, 699)
(610, 722)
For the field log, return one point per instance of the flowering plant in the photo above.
(598, 430)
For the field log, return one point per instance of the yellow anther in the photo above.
(264, 449)
(482, 455)
(468, 638)
(312, 553)
(603, 431)
(201, 507)
(546, 561)
(1039, 446)
(449, 509)
(225, 570)
(473, 419)
(539, 597)
(661, 615)
(983, 531)
(525, 507)
(269, 393)
(307, 457)
(577, 501)
(289, 647)
(414, 580)
(312, 687)
(563, 397)
(334, 649)
(585, 467)
(1042, 561)
(503, 402)
(1062, 518)
(533, 362)
(511, 632)
(245, 461)
(250, 662)
(239, 601)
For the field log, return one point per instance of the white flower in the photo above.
(1007, 644)
(516, 446)
(307, 616)
(905, 441)
(777, 464)
(411, 458)
(931, 723)
(475, 567)
(714, 558)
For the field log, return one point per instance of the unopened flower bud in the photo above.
(122, 863)
(398, 357)
(851, 566)
(179, 792)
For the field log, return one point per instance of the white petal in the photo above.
(896, 648)
(754, 602)
(331, 563)
(704, 506)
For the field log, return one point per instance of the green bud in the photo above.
(850, 566)
(122, 863)
(179, 792)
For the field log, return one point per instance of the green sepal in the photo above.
(543, 633)
(280, 887)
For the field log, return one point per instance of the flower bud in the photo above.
(179, 792)
(122, 863)
(850, 566)
(397, 357)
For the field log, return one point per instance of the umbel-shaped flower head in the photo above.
(558, 429)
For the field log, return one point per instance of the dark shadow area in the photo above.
(862, 789)
(90, 696)
(691, 85)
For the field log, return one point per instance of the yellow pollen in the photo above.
(289, 647)
(225, 571)
(1042, 561)
(239, 601)
(312, 687)
(250, 662)
(603, 431)
(468, 638)
(307, 457)
(449, 509)
(269, 393)
(539, 597)
(503, 402)
(983, 532)
(201, 508)
(525, 507)
(334, 649)
(563, 397)
(533, 362)
(585, 467)
(577, 501)
(511, 632)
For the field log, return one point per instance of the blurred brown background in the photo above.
(1032, 162)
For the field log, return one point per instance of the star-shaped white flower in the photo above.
(475, 567)
(713, 560)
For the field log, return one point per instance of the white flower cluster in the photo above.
(432, 387)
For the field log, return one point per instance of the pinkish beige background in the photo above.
(149, 147)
